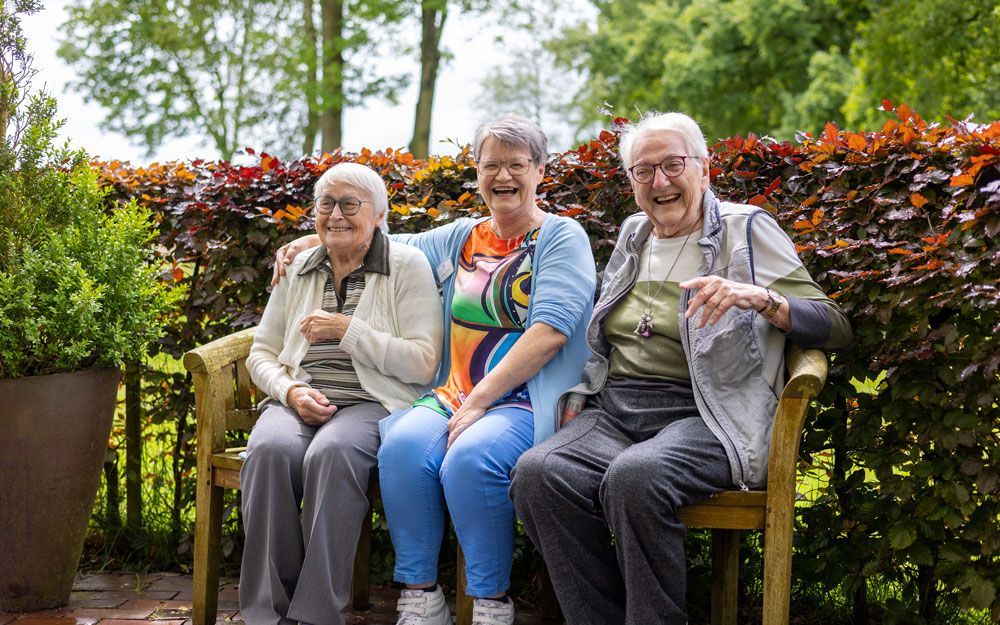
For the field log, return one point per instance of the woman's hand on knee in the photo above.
(464, 417)
(312, 406)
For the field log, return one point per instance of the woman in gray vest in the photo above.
(352, 333)
(687, 342)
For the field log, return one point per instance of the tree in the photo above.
(231, 70)
(433, 14)
(736, 65)
(939, 56)
(778, 66)
(15, 62)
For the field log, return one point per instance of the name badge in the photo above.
(444, 270)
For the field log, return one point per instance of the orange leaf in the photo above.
(803, 224)
(901, 251)
(830, 132)
(961, 180)
(931, 264)
(817, 216)
(757, 200)
(178, 274)
(841, 243)
(856, 142)
(853, 193)
(810, 201)
(266, 162)
(917, 200)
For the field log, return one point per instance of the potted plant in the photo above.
(79, 296)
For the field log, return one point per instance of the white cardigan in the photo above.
(394, 337)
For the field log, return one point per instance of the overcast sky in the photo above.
(377, 125)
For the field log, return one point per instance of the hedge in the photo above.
(899, 226)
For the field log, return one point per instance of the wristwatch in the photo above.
(774, 302)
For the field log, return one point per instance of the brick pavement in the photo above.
(165, 599)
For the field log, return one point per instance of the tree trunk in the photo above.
(311, 78)
(6, 92)
(332, 96)
(927, 591)
(432, 16)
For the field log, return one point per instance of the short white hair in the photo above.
(360, 177)
(682, 124)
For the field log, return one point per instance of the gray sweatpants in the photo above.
(298, 568)
(626, 464)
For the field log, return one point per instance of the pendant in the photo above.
(644, 328)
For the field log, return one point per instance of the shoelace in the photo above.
(411, 610)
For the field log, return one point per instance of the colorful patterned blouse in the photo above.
(488, 313)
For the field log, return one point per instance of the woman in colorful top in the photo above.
(518, 291)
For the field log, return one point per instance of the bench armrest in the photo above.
(213, 356)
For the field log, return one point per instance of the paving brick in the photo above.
(139, 622)
(110, 614)
(33, 618)
(104, 581)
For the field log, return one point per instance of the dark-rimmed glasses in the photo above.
(348, 205)
(515, 166)
(672, 166)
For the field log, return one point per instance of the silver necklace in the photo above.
(644, 328)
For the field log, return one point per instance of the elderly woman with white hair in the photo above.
(518, 289)
(353, 333)
(687, 342)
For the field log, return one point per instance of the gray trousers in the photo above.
(303, 504)
(625, 465)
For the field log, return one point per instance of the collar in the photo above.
(376, 259)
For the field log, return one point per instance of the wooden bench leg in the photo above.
(207, 546)
(778, 566)
(725, 575)
(463, 602)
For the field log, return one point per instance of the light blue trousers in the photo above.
(418, 478)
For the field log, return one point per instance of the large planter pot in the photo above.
(53, 438)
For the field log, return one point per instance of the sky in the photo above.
(377, 125)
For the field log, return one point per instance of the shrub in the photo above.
(76, 285)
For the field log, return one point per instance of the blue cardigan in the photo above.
(562, 296)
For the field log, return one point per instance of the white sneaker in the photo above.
(419, 607)
(492, 612)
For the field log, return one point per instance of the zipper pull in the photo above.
(744, 487)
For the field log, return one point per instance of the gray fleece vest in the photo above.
(736, 365)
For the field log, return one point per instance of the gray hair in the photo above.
(516, 131)
(360, 177)
(684, 125)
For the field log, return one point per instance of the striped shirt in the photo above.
(330, 367)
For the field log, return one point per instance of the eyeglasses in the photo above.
(348, 205)
(672, 166)
(515, 166)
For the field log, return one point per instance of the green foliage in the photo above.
(77, 288)
(778, 66)
(900, 226)
(228, 70)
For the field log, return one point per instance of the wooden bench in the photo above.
(224, 401)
